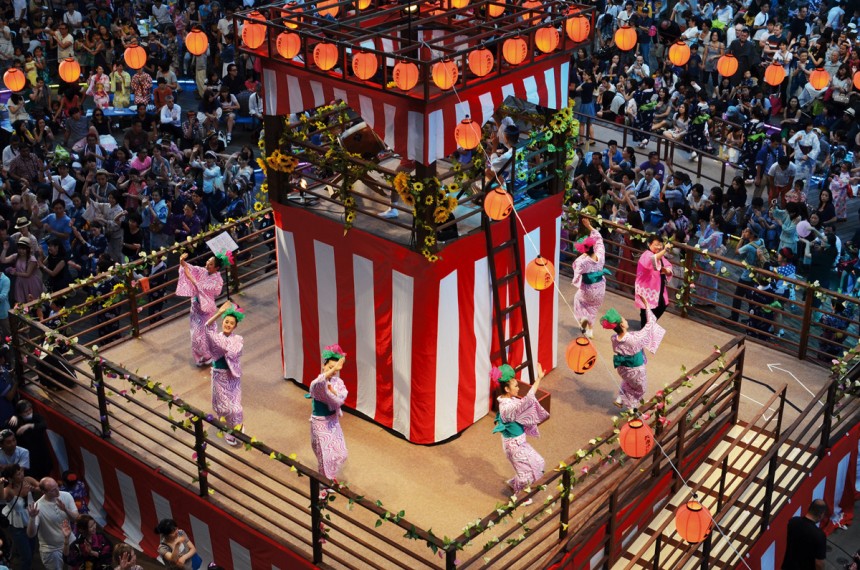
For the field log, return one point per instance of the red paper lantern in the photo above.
(515, 50)
(364, 65)
(693, 521)
(625, 38)
(135, 56)
(774, 74)
(857, 80)
(468, 134)
(254, 32)
(580, 355)
(546, 39)
(636, 438)
(457, 4)
(496, 9)
(498, 204)
(288, 44)
(819, 79)
(196, 42)
(727, 65)
(405, 75)
(481, 61)
(533, 14)
(293, 8)
(445, 74)
(540, 273)
(325, 55)
(328, 8)
(578, 28)
(679, 53)
(70, 70)
(14, 79)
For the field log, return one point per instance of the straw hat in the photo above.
(22, 222)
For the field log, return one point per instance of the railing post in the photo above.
(723, 470)
(564, 512)
(132, 305)
(739, 377)
(706, 552)
(658, 546)
(316, 521)
(805, 325)
(611, 527)
(234, 278)
(829, 406)
(689, 278)
(15, 325)
(451, 559)
(679, 452)
(98, 380)
(768, 491)
(200, 450)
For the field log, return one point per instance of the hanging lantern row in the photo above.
(547, 39)
(515, 50)
(481, 61)
(444, 74)
(578, 27)
(253, 32)
(364, 65)
(325, 55)
(14, 79)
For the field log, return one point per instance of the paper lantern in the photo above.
(445, 74)
(135, 56)
(540, 273)
(328, 8)
(405, 75)
(533, 14)
(857, 80)
(636, 438)
(498, 204)
(481, 61)
(578, 28)
(546, 39)
(196, 42)
(70, 70)
(254, 32)
(496, 9)
(364, 65)
(288, 44)
(515, 50)
(580, 355)
(325, 55)
(362, 4)
(625, 38)
(693, 521)
(819, 79)
(457, 4)
(15, 79)
(679, 53)
(774, 74)
(468, 134)
(291, 20)
(727, 65)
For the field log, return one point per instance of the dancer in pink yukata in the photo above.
(588, 275)
(652, 279)
(225, 348)
(516, 418)
(629, 359)
(329, 393)
(203, 285)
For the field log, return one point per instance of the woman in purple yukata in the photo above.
(203, 285)
(652, 279)
(629, 359)
(588, 275)
(515, 418)
(225, 349)
(329, 393)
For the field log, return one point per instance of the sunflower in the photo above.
(432, 258)
(430, 241)
(262, 164)
(429, 200)
(452, 203)
(442, 194)
(258, 206)
(440, 215)
(401, 182)
(417, 187)
(264, 188)
(453, 188)
(457, 167)
(350, 217)
(349, 202)
(408, 199)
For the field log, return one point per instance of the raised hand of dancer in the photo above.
(182, 259)
(540, 375)
(221, 310)
(586, 223)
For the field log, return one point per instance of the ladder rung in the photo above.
(513, 339)
(524, 364)
(508, 310)
(508, 277)
(502, 246)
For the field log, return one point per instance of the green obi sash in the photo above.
(594, 276)
(321, 409)
(508, 429)
(220, 364)
(630, 361)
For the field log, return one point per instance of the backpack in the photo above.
(762, 256)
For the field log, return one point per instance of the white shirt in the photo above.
(8, 154)
(20, 456)
(761, 19)
(803, 138)
(68, 185)
(171, 116)
(49, 522)
(162, 14)
(255, 105)
(73, 19)
(63, 53)
(833, 16)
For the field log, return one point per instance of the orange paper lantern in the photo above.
(468, 134)
(405, 75)
(496, 9)
(857, 80)
(291, 20)
(693, 521)
(540, 273)
(533, 14)
(135, 56)
(546, 39)
(481, 61)
(578, 28)
(580, 355)
(445, 74)
(636, 438)
(325, 55)
(457, 4)
(774, 74)
(362, 4)
(679, 53)
(364, 65)
(70, 70)
(498, 204)
(196, 42)
(254, 32)
(727, 65)
(328, 8)
(819, 79)
(515, 50)
(288, 44)
(625, 38)
(14, 79)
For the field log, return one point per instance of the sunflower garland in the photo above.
(432, 203)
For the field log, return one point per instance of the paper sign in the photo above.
(222, 243)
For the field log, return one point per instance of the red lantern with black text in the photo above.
(135, 56)
(774, 74)
(693, 521)
(14, 79)
(580, 355)
(727, 65)
(578, 28)
(405, 75)
(70, 70)
(498, 204)
(540, 273)
(288, 44)
(364, 65)
(625, 38)
(636, 438)
(481, 61)
(819, 79)
(679, 53)
(515, 50)
(254, 32)
(546, 39)
(496, 9)
(468, 134)
(196, 42)
(325, 55)
(445, 74)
